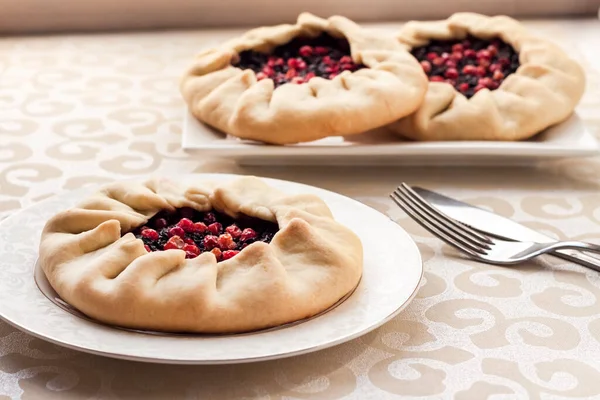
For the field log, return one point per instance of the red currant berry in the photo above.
(274, 61)
(451, 73)
(191, 248)
(209, 218)
(470, 53)
(200, 227)
(456, 56)
(469, 70)
(150, 234)
(186, 224)
(226, 242)
(291, 73)
(484, 54)
(248, 234)
(175, 242)
(215, 228)
(300, 65)
(210, 242)
(498, 75)
(495, 67)
(234, 231)
(306, 51)
(176, 231)
(268, 71)
(426, 65)
(160, 223)
(485, 82)
(217, 252)
(292, 62)
(227, 254)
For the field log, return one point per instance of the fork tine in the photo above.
(461, 229)
(450, 239)
(440, 226)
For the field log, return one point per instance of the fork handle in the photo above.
(576, 245)
(578, 257)
(565, 250)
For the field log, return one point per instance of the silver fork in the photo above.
(476, 245)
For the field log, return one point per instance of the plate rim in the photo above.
(585, 146)
(310, 349)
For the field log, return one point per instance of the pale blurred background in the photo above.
(20, 16)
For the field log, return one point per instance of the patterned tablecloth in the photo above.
(81, 110)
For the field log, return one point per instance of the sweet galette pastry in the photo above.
(302, 82)
(202, 257)
(489, 79)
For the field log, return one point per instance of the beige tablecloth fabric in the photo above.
(92, 15)
(78, 110)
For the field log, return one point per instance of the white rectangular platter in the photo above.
(568, 139)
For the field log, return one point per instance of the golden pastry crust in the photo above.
(310, 264)
(542, 92)
(234, 101)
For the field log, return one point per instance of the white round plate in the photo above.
(391, 276)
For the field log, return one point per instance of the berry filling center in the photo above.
(469, 65)
(197, 232)
(301, 60)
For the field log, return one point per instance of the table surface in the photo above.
(82, 110)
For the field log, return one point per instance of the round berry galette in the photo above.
(295, 83)
(489, 79)
(201, 257)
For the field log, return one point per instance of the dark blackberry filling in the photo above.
(300, 60)
(469, 65)
(197, 232)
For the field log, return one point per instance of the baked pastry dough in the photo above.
(310, 264)
(543, 91)
(234, 101)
